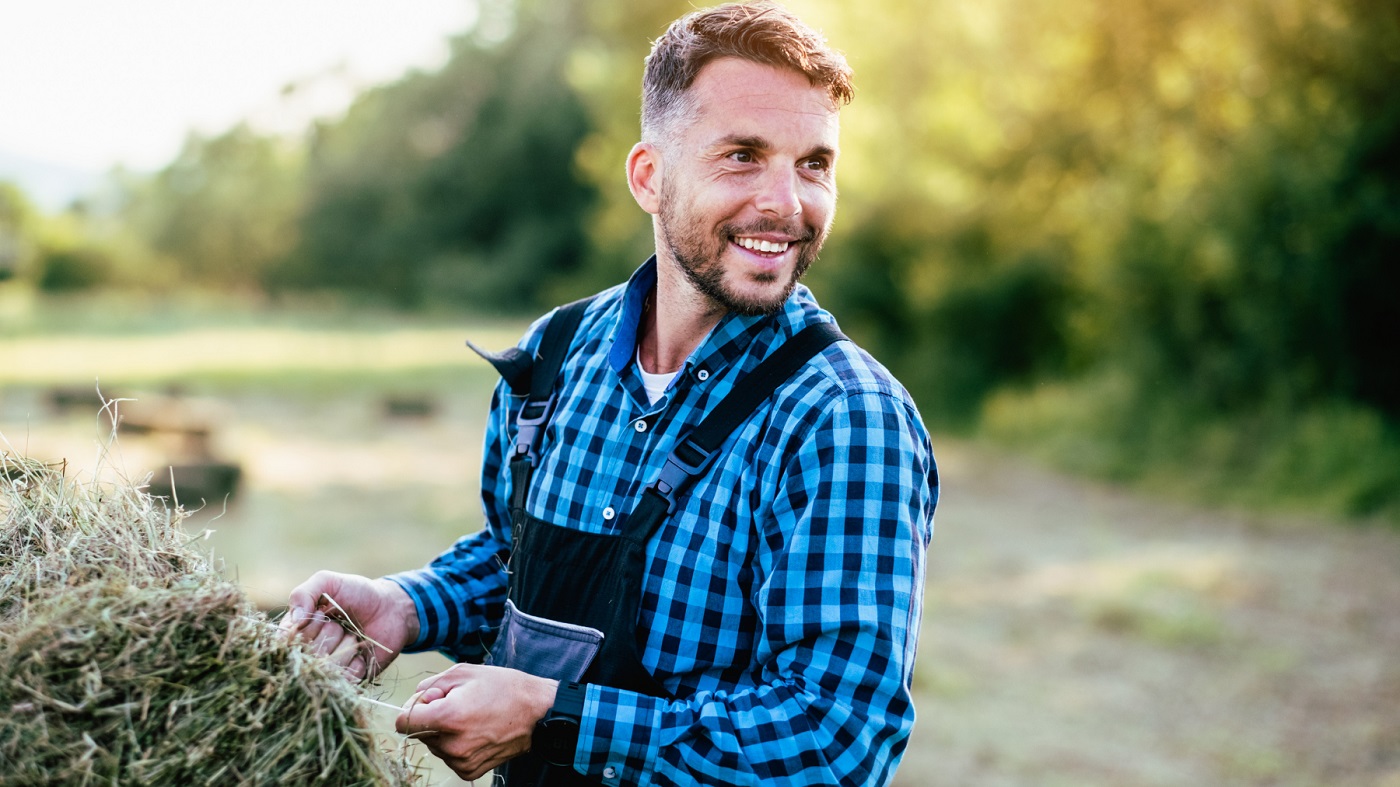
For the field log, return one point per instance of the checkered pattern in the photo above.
(782, 599)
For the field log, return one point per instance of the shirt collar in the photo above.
(725, 342)
(624, 347)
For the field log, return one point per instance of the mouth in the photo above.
(768, 251)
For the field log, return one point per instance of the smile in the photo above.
(767, 246)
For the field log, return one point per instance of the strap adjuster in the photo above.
(685, 462)
(532, 416)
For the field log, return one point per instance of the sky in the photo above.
(90, 84)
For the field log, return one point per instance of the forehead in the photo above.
(739, 97)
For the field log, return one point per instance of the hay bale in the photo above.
(200, 482)
(127, 658)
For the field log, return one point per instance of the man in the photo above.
(707, 512)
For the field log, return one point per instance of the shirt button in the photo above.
(640, 426)
(609, 772)
(609, 513)
(702, 375)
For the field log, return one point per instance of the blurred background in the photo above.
(1137, 262)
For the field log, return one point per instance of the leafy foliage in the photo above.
(223, 211)
(455, 186)
(1170, 209)
(15, 220)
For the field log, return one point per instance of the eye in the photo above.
(742, 156)
(816, 165)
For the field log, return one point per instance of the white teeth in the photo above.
(763, 245)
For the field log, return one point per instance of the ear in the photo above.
(644, 176)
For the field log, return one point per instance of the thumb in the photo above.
(304, 598)
(418, 716)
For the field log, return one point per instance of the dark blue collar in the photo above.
(725, 342)
(641, 284)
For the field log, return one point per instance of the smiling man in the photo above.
(707, 510)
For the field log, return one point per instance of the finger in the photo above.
(289, 620)
(330, 638)
(467, 769)
(317, 628)
(436, 746)
(410, 725)
(345, 653)
(473, 775)
(453, 676)
(406, 715)
(302, 600)
(404, 722)
(463, 764)
(459, 765)
(311, 625)
(297, 614)
(474, 765)
(425, 714)
(357, 668)
(430, 694)
(294, 619)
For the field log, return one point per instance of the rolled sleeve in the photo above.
(460, 597)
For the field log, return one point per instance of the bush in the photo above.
(70, 270)
(1337, 459)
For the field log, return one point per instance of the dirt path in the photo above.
(1076, 635)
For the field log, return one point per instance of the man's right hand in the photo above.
(379, 608)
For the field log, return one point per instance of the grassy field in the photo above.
(1074, 635)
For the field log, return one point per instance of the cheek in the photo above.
(707, 199)
(820, 205)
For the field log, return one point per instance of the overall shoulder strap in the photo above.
(694, 453)
(534, 375)
(548, 360)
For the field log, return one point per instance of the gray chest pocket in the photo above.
(543, 647)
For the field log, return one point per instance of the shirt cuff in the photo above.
(423, 587)
(617, 739)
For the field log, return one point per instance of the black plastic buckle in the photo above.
(532, 416)
(684, 464)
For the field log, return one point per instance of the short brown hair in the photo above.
(758, 32)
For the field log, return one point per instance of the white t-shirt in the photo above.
(654, 383)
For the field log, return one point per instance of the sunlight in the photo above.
(90, 84)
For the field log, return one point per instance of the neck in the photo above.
(677, 319)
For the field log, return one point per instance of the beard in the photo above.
(700, 254)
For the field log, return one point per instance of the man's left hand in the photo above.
(475, 717)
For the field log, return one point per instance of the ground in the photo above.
(1073, 634)
(1077, 635)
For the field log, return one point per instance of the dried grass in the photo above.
(127, 658)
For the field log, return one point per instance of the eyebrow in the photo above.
(759, 143)
(739, 141)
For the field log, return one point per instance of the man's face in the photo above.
(748, 188)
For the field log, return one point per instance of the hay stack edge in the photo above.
(126, 657)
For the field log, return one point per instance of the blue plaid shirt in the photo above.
(783, 597)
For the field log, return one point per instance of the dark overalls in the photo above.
(571, 611)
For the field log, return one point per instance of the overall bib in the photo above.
(572, 605)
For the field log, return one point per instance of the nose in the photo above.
(777, 194)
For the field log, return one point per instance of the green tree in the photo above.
(456, 186)
(224, 210)
(16, 217)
